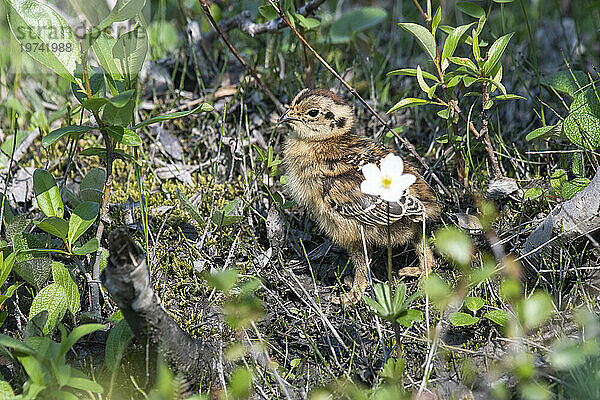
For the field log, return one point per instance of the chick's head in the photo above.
(317, 114)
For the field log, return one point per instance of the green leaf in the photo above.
(65, 130)
(557, 179)
(475, 46)
(532, 194)
(509, 96)
(424, 37)
(102, 47)
(7, 265)
(130, 50)
(499, 86)
(97, 83)
(469, 80)
(6, 392)
(462, 319)
(95, 103)
(583, 129)
(101, 152)
(56, 226)
(91, 246)
(452, 41)
(268, 12)
(122, 11)
(204, 107)
(393, 371)
(307, 23)
(47, 194)
(568, 82)
(17, 345)
(356, 19)
(534, 310)
(407, 317)
(578, 166)
(189, 207)
(474, 303)
(9, 146)
(53, 299)
(121, 99)
(8, 294)
(35, 271)
(76, 334)
(544, 132)
(421, 81)
(495, 52)
(586, 102)
(435, 22)
(225, 217)
(412, 72)
(81, 219)
(499, 317)
(464, 62)
(571, 188)
(120, 117)
(240, 383)
(471, 9)
(409, 102)
(84, 384)
(92, 185)
(45, 35)
(223, 280)
(455, 245)
(62, 277)
(118, 339)
(124, 136)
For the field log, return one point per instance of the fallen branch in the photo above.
(571, 219)
(128, 281)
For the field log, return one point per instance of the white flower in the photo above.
(388, 182)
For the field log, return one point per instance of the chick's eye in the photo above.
(313, 113)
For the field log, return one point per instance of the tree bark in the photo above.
(127, 279)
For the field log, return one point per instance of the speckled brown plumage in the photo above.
(323, 159)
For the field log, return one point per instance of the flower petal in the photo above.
(372, 187)
(392, 165)
(405, 180)
(371, 172)
(394, 193)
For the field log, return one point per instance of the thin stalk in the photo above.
(95, 282)
(535, 63)
(395, 324)
(10, 165)
(206, 10)
(486, 135)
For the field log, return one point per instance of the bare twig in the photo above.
(243, 22)
(260, 82)
(485, 133)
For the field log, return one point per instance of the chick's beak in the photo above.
(287, 117)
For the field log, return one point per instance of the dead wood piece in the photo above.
(128, 281)
(573, 218)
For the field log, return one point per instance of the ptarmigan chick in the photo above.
(323, 158)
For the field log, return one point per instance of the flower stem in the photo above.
(389, 249)
(395, 324)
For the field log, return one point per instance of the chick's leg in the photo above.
(360, 282)
(426, 260)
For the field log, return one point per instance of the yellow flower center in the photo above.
(386, 181)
